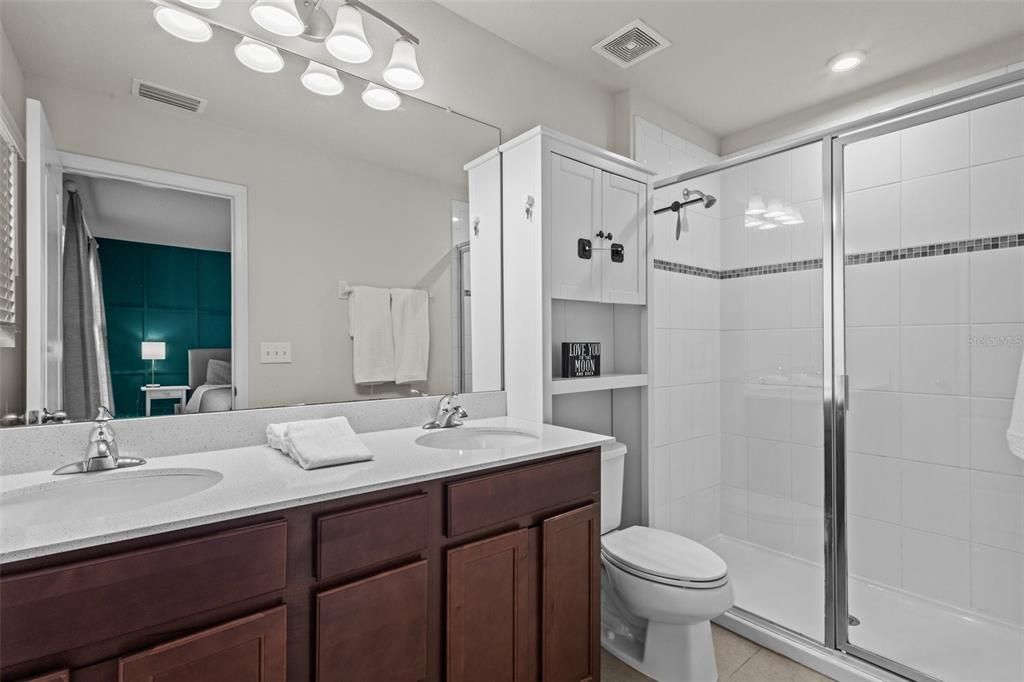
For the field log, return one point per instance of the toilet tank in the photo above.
(613, 462)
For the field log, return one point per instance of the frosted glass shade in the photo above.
(348, 41)
(277, 16)
(322, 80)
(182, 25)
(154, 350)
(259, 56)
(402, 71)
(203, 4)
(381, 99)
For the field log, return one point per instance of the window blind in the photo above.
(8, 233)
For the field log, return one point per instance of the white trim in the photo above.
(593, 154)
(9, 129)
(238, 196)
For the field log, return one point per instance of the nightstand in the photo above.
(178, 393)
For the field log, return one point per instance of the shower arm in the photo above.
(676, 205)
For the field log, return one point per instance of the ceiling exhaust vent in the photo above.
(171, 98)
(631, 44)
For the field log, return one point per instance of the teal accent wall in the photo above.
(161, 293)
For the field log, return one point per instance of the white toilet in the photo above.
(659, 591)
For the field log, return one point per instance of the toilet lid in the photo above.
(663, 554)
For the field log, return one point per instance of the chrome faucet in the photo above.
(448, 413)
(101, 454)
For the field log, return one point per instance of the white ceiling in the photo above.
(117, 209)
(735, 64)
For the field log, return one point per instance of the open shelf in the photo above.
(561, 386)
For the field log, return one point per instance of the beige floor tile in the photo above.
(768, 666)
(614, 670)
(731, 651)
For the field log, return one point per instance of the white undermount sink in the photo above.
(102, 493)
(476, 438)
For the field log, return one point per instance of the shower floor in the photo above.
(941, 640)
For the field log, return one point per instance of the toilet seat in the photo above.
(664, 557)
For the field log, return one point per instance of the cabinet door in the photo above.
(571, 596)
(250, 649)
(624, 216)
(575, 213)
(490, 616)
(57, 676)
(374, 629)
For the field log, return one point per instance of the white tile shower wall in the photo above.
(936, 500)
(686, 458)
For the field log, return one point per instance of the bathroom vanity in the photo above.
(458, 565)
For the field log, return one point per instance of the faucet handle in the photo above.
(103, 414)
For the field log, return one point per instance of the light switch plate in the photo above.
(275, 352)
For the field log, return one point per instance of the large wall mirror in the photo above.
(202, 236)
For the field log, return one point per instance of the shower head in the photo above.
(707, 199)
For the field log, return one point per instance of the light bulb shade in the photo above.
(182, 25)
(381, 99)
(348, 40)
(402, 71)
(322, 80)
(203, 4)
(154, 350)
(755, 206)
(259, 56)
(277, 16)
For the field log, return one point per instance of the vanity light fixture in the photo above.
(278, 16)
(259, 56)
(403, 72)
(755, 206)
(847, 61)
(347, 40)
(775, 210)
(182, 25)
(203, 4)
(322, 80)
(381, 99)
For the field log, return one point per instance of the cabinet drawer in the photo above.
(251, 649)
(98, 599)
(488, 500)
(367, 536)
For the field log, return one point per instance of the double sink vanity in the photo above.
(468, 553)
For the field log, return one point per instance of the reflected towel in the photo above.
(1015, 434)
(373, 346)
(324, 442)
(410, 321)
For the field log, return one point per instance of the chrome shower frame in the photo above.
(837, 647)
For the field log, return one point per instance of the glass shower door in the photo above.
(931, 287)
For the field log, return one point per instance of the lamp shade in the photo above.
(154, 350)
(381, 99)
(348, 40)
(203, 4)
(277, 16)
(259, 56)
(402, 71)
(323, 80)
(182, 25)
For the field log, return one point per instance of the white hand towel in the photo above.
(275, 433)
(410, 320)
(1015, 434)
(373, 346)
(324, 442)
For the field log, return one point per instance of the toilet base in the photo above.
(670, 653)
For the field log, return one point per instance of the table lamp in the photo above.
(153, 351)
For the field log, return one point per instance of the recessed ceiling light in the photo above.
(182, 25)
(847, 61)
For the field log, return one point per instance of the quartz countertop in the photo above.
(258, 479)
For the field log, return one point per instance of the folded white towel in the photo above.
(373, 346)
(410, 322)
(318, 443)
(1015, 434)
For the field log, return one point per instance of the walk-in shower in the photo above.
(868, 285)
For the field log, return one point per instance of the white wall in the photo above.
(313, 219)
(936, 500)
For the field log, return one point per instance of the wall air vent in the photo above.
(631, 44)
(171, 98)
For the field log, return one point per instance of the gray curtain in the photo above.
(86, 364)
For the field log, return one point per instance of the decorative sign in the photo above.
(581, 359)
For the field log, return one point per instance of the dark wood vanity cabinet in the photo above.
(490, 576)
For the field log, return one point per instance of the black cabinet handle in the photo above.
(618, 253)
(584, 249)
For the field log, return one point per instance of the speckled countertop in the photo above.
(259, 479)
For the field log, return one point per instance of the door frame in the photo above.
(237, 195)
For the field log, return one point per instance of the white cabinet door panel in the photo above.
(624, 216)
(575, 214)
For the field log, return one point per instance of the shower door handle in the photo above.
(844, 389)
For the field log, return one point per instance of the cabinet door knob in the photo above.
(608, 236)
(600, 235)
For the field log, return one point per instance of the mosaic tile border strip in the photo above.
(1006, 241)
